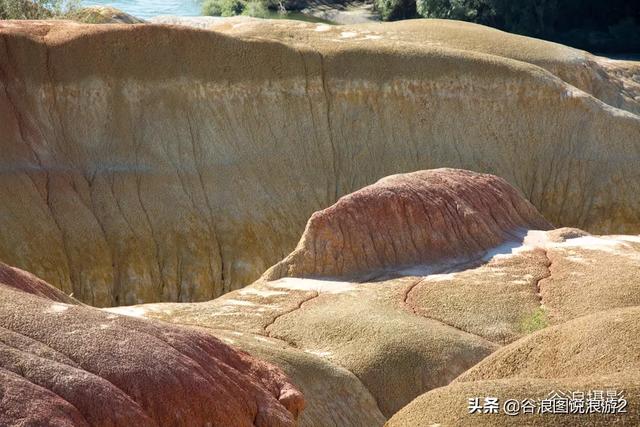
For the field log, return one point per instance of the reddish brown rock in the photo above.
(68, 364)
(425, 217)
(27, 282)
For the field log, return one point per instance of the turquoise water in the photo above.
(149, 8)
(146, 9)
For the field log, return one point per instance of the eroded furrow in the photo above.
(314, 295)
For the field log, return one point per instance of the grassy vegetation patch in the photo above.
(535, 321)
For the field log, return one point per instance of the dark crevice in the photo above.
(547, 275)
(314, 295)
(327, 97)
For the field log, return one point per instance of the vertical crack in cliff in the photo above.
(211, 223)
(5, 75)
(56, 108)
(138, 179)
(117, 284)
(312, 112)
(153, 235)
(20, 121)
(178, 168)
(77, 288)
(112, 256)
(461, 162)
(334, 151)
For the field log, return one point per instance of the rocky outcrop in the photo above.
(66, 364)
(402, 330)
(426, 217)
(183, 171)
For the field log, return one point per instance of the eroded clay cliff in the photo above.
(154, 163)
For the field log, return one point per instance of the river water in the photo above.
(146, 9)
(149, 8)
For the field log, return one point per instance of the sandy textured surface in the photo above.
(66, 364)
(393, 334)
(595, 352)
(150, 163)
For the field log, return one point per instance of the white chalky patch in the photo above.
(604, 243)
(348, 34)
(632, 239)
(319, 353)
(535, 238)
(425, 269)
(527, 241)
(238, 302)
(223, 312)
(440, 277)
(322, 27)
(127, 311)
(133, 310)
(321, 286)
(260, 292)
(58, 308)
(540, 239)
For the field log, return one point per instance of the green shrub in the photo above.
(462, 10)
(391, 10)
(536, 321)
(212, 8)
(257, 9)
(223, 7)
(234, 7)
(37, 9)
